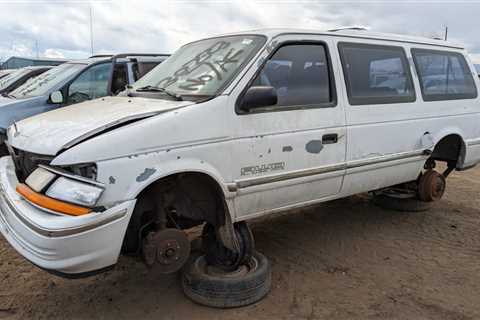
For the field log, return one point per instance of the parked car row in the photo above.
(228, 129)
(17, 78)
(5, 72)
(71, 83)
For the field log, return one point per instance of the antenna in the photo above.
(446, 33)
(91, 29)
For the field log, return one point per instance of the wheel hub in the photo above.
(432, 186)
(166, 249)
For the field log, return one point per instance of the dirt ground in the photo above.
(345, 259)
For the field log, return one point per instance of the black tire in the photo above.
(226, 291)
(401, 204)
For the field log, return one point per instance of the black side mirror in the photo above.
(257, 97)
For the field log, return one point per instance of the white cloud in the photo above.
(53, 53)
(162, 26)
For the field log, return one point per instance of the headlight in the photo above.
(74, 192)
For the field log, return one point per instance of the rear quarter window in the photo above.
(376, 74)
(443, 75)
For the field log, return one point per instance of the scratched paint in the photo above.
(314, 146)
(146, 174)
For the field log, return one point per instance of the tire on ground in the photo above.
(224, 291)
(401, 204)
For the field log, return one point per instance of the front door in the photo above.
(293, 152)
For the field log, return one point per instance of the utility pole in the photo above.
(91, 29)
(36, 48)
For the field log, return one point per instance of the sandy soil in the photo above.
(345, 259)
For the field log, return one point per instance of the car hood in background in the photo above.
(12, 110)
(53, 131)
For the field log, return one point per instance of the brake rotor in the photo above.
(167, 250)
(432, 186)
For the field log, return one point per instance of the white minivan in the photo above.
(228, 129)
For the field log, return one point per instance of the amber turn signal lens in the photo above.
(49, 203)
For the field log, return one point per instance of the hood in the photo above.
(4, 101)
(12, 110)
(50, 132)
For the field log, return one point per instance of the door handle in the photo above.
(330, 138)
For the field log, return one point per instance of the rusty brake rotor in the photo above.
(167, 250)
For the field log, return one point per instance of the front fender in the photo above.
(147, 177)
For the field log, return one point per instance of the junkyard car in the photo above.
(5, 72)
(229, 129)
(71, 83)
(15, 79)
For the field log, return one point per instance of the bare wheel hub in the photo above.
(166, 249)
(431, 186)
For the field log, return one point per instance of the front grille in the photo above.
(26, 162)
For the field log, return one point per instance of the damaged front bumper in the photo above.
(64, 245)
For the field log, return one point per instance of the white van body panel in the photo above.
(263, 162)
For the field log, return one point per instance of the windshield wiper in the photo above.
(177, 97)
(6, 95)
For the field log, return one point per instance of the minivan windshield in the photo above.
(201, 68)
(12, 77)
(42, 84)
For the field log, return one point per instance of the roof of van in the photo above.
(109, 57)
(356, 33)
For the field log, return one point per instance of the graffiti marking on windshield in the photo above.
(203, 59)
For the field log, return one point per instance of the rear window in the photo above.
(444, 75)
(376, 74)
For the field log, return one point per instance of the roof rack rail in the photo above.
(349, 28)
(101, 56)
(125, 55)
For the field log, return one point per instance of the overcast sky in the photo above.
(62, 29)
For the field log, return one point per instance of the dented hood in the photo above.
(50, 132)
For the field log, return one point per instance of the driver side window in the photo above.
(91, 84)
(300, 74)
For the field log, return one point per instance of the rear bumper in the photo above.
(60, 244)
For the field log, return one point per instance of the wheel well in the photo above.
(450, 149)
(181, 200)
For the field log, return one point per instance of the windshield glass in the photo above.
(203, 67)
(12, 77)
(42, 84)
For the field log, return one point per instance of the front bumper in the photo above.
(61, 244)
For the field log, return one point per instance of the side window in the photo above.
(444, 75)
(141, 68)
(300, 73)
(91, 84)
(376, 74)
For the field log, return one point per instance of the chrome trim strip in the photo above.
(55, 233)
(473, 142)
(290, 175)
(385, 158)
(328, 169)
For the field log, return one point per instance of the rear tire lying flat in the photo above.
(403, 205)
(215, 288)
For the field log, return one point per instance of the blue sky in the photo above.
(61, 28)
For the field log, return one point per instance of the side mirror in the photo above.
(56, 97)
(259, 96)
